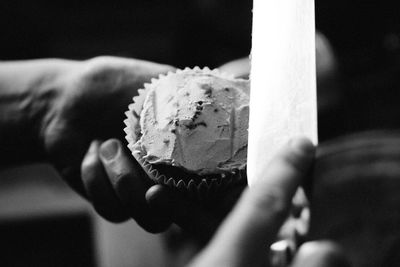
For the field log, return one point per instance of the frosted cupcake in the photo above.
(189, 129)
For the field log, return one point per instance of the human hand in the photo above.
(119, 189)
(88, 102)
(250, 229)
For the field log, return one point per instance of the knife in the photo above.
(283, 100)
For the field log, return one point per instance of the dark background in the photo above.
(180, 32)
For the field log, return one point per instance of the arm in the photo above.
(52, 109)
(27, 89)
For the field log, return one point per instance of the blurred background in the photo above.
(43, 223)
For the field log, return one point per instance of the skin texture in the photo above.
(58, 110)
(119, 189)
(243, 237)
(254, 223)
(52, 109)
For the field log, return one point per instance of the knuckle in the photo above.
(98, 70)
(100, 62)
(273, 202)
(120, 177)
(296, 162)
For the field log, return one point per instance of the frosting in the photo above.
(196, 120)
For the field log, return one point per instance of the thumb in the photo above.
(245, 236)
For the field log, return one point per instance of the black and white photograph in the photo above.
(200, 133)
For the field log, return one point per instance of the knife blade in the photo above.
(283, 79)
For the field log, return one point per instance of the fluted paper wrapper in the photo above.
(199, 188)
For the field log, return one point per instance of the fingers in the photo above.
(99, 189)
(262, 210)
(186, 213)
(320, 254)
(256, 219)
(138, 70)
(148, 69)
(130, 184)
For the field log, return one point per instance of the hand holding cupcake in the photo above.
(189, 130)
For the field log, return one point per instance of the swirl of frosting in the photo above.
(196, 120)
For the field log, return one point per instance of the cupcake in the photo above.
(189, 129)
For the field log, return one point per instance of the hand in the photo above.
(89, 103)
(119, 188)
(245, 236)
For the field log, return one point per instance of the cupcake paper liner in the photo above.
(200, 188)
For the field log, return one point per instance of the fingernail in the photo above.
(109, 149)
(302, 145)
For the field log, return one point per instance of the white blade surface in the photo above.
(283, 79)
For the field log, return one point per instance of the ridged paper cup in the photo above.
(201, 187)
